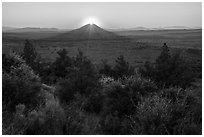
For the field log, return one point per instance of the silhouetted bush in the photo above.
(148, 70)
(118, 99)
(29, 53)
(169, 70)
(32, 58)
(21, 85)
(194, 57)
(46, 73)
(106, 69)
(66, 90)
(121, 69)
(94, 102)
(81, 78)
(84, 76)
(61, 64)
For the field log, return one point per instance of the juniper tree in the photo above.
(122, 68)
(29, 53)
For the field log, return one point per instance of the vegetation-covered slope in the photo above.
(84, 99)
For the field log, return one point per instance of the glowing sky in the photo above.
(107, 15)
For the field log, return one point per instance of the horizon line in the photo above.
(60, 28)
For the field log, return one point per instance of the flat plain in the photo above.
(140, 45)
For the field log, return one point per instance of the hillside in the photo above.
(87, 32)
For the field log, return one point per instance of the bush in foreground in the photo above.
(21, 85)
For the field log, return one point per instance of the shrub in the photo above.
(48, 120)
(122, 68)
(78, 121)
(8, 62)
(148, 70)
(20, 121)
(181, 73)
(169, 70)
(31, 57)
(18, 124)
(65, 90)
(29, 53)
(81, 78)
(21, 85)
(152, 116)
(140, 86)
(117, 99)
(123, 95)
(84, 75)
(59, 67)
(105, 81)
(174, 94)
(106, 69)
(94, 102)
(112, 124)
(186, 112)
(74, 116)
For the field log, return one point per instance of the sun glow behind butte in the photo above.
(91, 21)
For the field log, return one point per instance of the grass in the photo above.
(174, 38)
(144, 45)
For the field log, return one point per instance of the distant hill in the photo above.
(6, 29)
(128, 29)
(87, 32)
(158, 28)
(28, 29)
(37, 29)
(179, 27)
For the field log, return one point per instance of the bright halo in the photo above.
(91, 21)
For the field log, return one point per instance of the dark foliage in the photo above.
(111, 124)
(60, 67)
(33, 59)
(121, 97)
(83, 75)
(29, 53)
(118, 101)
(7, 63)
(94, 102)
(48, 120)
(65, 90)
(106, 69)
(81, 78)
(169, 70)
(20, 85)
(121, 69)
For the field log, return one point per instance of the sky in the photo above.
(114, 15)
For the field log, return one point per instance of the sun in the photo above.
(91, 21)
